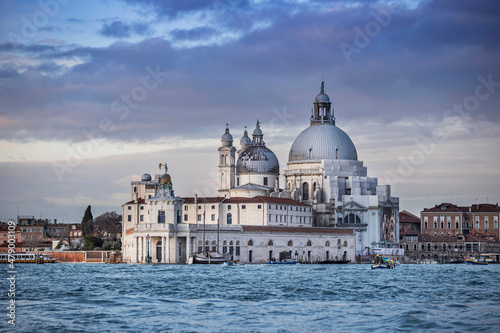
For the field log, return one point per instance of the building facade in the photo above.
(327, 201)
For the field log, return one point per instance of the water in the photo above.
(253, 298)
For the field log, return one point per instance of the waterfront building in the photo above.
(449, 219)
(327, 206)
(409, 231)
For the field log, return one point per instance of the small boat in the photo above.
(233, 263)
(211, 258)
(384, 263)
(283, 262)
(333, 262)
(473, 261)
(382, 266)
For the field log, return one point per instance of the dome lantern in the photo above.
(322, 112)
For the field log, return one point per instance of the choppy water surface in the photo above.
(253, 298)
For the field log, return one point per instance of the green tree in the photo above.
(91, 242)
(87, 222)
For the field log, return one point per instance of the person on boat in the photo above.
(377, 259)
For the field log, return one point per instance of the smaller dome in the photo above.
(322, 98)
(165, 178)
(245, 140)
(146, 177)
(227, 138)
(257, 159)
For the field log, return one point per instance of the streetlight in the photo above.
(148, 258)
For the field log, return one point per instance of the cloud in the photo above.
(120, 29)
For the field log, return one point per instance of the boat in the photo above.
(473, 261)
(233, 263)
(383, 263)
(211, 258)
(26, 258)
(333, 262)
(283, 262)
(382, 266)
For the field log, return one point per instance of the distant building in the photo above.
(450, 232)
(409, 231)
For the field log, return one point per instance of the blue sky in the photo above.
(93, 94)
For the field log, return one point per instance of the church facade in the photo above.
(326, 209)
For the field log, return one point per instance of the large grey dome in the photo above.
(257, 159)
(319, 142)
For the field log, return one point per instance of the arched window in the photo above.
(237, 248)
(231, 243)
(250, 242)
(229, 218)
(314, 186)
(309, 243)
(327, 243)
(352, 218)
(444, 247)
(200, 250)
(429, 247)
(224, 247)
(305, 191)
(214, 246)
(290, 243)
(270, 243)
(207, 246)
(345, 243)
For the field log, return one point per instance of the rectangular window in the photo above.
(238, 181)
(185, 207)
(425, 225)
(141, 218)
(435, 225)
(129, 207)
(265, 181)
(442, 225)
(199, 217)
(142, 207)
(486, 224)
(129, 218)
(161, 216)
(259, 206)
(213, 217)
(228, 206)
(449, 224)
(495, 223)
(243, 206)
(199, 207)
(185, 217)
(213, 206)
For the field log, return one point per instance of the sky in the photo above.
(94, 94)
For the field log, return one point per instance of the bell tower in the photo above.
(227, 163)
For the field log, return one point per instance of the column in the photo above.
(139, 249)
(167, 244)
(188, 248)
(176, 250)
(164, 248)
(136, 249)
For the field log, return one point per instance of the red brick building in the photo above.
(448, 219)
(409, 230)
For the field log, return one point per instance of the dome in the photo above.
(257, 159)
(146, 177)
(245, 140)
(319, 142)
(165, 179)
(227, 138)
(322, 98)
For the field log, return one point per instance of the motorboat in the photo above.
(473, 261)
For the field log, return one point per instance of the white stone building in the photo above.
(327, 208)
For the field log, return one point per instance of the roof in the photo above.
(257, 199)
(407, 217)
(485, 208)
(446, 207)
(409, 233)
(140, 200)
